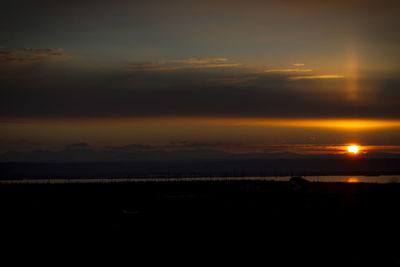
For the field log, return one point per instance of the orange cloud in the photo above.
(200, 60)
(328, 76)
(28, 55)
(221, 65)
(288, 70)
(191, 63)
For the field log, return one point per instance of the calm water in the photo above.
(341, 179)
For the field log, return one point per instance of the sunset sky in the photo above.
(241, 76)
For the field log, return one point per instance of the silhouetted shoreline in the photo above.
(360, 217)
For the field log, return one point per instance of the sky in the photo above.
(239, 76)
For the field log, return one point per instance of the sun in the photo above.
(353, 149)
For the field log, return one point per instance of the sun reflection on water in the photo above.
(353, 180)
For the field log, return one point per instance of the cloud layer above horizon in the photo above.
(195, 87)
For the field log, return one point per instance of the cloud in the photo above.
(220, 65)
(299, 68)
(28, 55)
(205, 94)
(232, 80)
(328, 76)
(112, 100)
(151, 67)
(3, 47)
(200, 60)
(179, 64)
(288, 70)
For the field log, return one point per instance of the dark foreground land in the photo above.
(228, 222)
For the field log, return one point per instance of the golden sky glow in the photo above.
(326, 76)
(346, 125)
(340, 124)
(307, 136)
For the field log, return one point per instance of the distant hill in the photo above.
(139, 153)
(143, 162)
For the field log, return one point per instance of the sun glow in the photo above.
(353, 149)
(353, 180)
